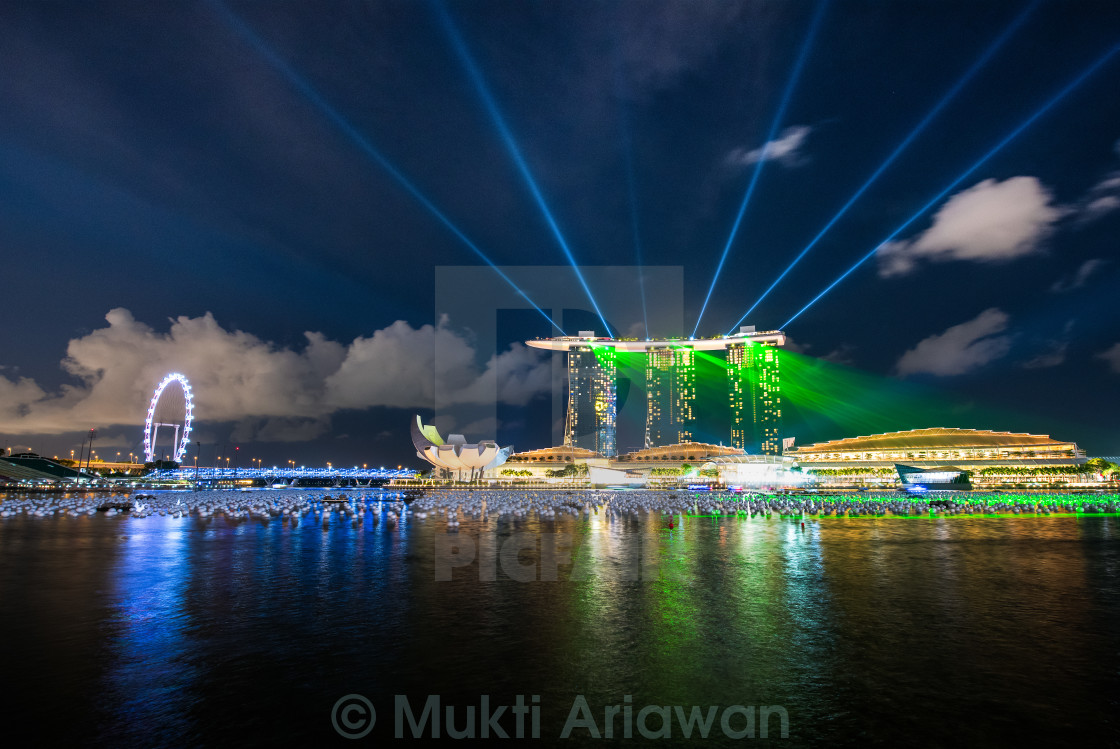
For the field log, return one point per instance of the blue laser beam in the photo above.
(949, 96)
(1054, 100)
(779, 115)
(637, 234)
(475, 74)
(628, 158)
(311, 94)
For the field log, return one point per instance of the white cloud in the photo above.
(989, 222)
(1079, 277)
(1052, 357)
(795, 347)
(842, 354)
(959, 349)
(273, 393)
(1112, 356)
(786, 149)
(660, 42)
(1111, 182)
(1102, 199)
(637, 330)
(1100, 206)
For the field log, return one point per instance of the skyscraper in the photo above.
(670, 395)
(754, 388)
(592, 399)
(672, 409)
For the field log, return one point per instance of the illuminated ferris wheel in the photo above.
(172, 408)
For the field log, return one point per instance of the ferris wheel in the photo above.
(169, 408)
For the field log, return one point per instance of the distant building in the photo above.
(671, 388)
(635, 468)
(946, 478)
(755, 471)
(544, 463)
(29, 467)
(923, 455)
(592, 399)
(693, 453)
(754, 390)
(553, 456)
(941, 447)
(670, 395)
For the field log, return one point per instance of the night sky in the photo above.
(262, 195)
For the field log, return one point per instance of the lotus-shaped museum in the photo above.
(455, 454)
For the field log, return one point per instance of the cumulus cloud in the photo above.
(989, 222)
(1079, 277)
(273, 393)
(1112, 356)
(959, 349)
(785, 149)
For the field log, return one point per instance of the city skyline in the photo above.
(924, 197)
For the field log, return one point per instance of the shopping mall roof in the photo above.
(553, 454)
(744, 459)
(936, 437)
(680, 451)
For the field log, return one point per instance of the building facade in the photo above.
(592, 399)
(671, 388)
(981, 457)
(941, 446)
(754, 391)
(670, 396)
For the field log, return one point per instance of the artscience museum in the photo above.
(454, 454)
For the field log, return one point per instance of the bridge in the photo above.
(275, 475)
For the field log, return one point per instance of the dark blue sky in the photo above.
(159, 159)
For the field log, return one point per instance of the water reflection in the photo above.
(150, 673)
(162, 630)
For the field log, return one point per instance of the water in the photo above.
(122, 631)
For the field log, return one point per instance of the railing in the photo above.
(276, 474)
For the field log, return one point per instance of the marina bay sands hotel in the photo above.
(753, 386)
